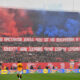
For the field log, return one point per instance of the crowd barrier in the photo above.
(44, 71)
(59, 65)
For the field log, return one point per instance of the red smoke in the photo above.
(14, 22)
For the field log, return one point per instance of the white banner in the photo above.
(40, 49)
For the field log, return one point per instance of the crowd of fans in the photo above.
(45, 56)
(41, 44)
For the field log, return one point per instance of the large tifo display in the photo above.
(41, 71)
(20, 22)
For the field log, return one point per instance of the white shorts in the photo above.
(19, 72)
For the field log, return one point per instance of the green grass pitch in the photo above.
(56, 76)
